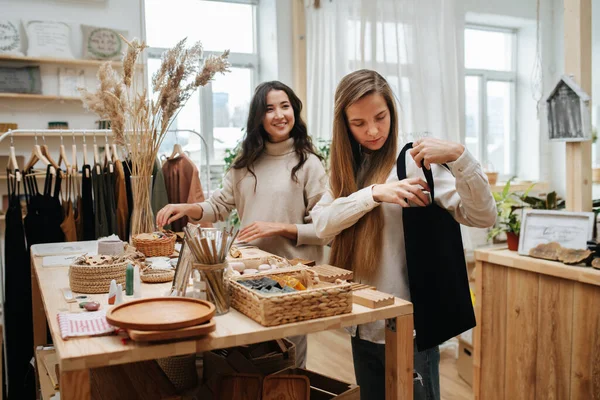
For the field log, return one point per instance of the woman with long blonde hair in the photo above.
(363, 211)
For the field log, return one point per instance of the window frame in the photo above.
(237, 60)
(484, 76)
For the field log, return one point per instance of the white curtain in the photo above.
(412, 43)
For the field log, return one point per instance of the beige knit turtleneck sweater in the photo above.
(277, 198)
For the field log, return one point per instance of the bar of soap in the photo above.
(250, 271)
(264, 267)
(237, 266)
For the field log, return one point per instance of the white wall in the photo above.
(275, 40)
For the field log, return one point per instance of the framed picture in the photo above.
(571, 230)
(10, 37)
(49, 39)
(103, 43)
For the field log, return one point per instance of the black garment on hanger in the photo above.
(44, 212)
(18, 315)
(110, 201)
(437, 272)
(87, 204)
(127, 173)
(100, 217)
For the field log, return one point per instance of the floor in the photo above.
(329, 350)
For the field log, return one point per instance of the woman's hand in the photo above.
(402, 192)
(173, 212)
(261, 229)
(435, 151)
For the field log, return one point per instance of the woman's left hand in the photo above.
(260, 229)
(435, 151)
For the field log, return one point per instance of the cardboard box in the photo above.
(325, 388)
(464, 364)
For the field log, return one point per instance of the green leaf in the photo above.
(506, 188)
(529, 189)
(551, 201)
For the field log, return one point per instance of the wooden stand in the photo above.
(537, 334)
(78, 356)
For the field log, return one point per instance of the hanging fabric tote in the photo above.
(437, 273)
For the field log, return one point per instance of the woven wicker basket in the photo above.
(322, 300)
(181, 371)
(162, 247)
(157, 276)
(95, 278)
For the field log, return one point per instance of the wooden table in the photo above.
(78, 356)
(538, 329)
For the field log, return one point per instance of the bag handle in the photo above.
(401, 169)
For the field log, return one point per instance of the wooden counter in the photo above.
(77, 356)
(538, 329)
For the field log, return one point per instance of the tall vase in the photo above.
(142, 217)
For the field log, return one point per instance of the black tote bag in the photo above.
(437, 272)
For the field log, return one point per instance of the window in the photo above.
(219, 110)
(490, 106)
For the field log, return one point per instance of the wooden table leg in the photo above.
(40, 334)
(399, 348)
(75, 385)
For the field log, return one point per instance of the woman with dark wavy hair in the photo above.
(274, 183)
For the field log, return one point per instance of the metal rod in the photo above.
(100, 132)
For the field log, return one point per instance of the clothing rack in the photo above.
(95, 133)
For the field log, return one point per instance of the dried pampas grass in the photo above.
(140, 120)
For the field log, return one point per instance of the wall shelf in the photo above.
(24, 96)
(58, 61)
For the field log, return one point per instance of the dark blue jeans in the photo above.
(369, 368)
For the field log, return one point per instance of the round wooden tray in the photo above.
(160, 313)
(173, 334)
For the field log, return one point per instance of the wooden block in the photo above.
(329, 273)
(354, 286)
(372, 298)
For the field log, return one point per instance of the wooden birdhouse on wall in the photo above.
(568, 109)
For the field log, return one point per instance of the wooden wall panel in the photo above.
(555, 334)
(492, 301)
(585, 359)
(521, 334)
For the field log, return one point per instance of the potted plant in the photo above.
(509, 203)
(508, 221)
